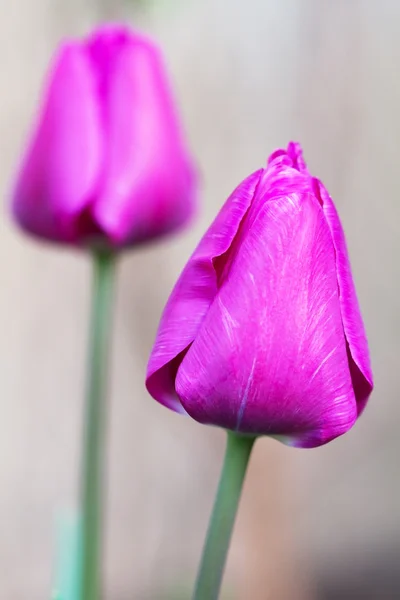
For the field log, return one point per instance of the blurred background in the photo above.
(313, 525)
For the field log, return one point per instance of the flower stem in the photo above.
(237, 454)
(95, 425)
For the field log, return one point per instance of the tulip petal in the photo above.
(62, 165)
(352, 321)
(147, 188)
(360, 365)
(270, 355)
(193, 294)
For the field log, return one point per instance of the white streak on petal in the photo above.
(323, 362)
(245, 396)
(228, 321)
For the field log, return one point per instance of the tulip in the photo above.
(107, 162)
(106, 168)
(262, 334)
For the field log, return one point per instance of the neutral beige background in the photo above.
(250, 76)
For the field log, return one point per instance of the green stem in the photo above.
(238, 450)
(95, 422)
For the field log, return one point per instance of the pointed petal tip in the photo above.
(292, 156)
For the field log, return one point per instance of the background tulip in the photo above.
(262, 333)
(107, 159)
(106, 168)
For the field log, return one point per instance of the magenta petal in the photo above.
(62, 165)
(192, 296)
(352, 321)
(270, 355)
(148, 181)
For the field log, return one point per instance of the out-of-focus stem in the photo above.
(95, 425)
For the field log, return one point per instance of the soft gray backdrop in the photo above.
(249, 77)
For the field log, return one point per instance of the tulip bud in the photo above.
(262, 333)
(107, 161)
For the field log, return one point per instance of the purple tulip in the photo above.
(107, 160)
(262, 333)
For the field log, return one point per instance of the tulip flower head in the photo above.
(262, 333)
(107, 160)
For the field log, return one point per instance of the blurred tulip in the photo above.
(262, 333)
(107, 160)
